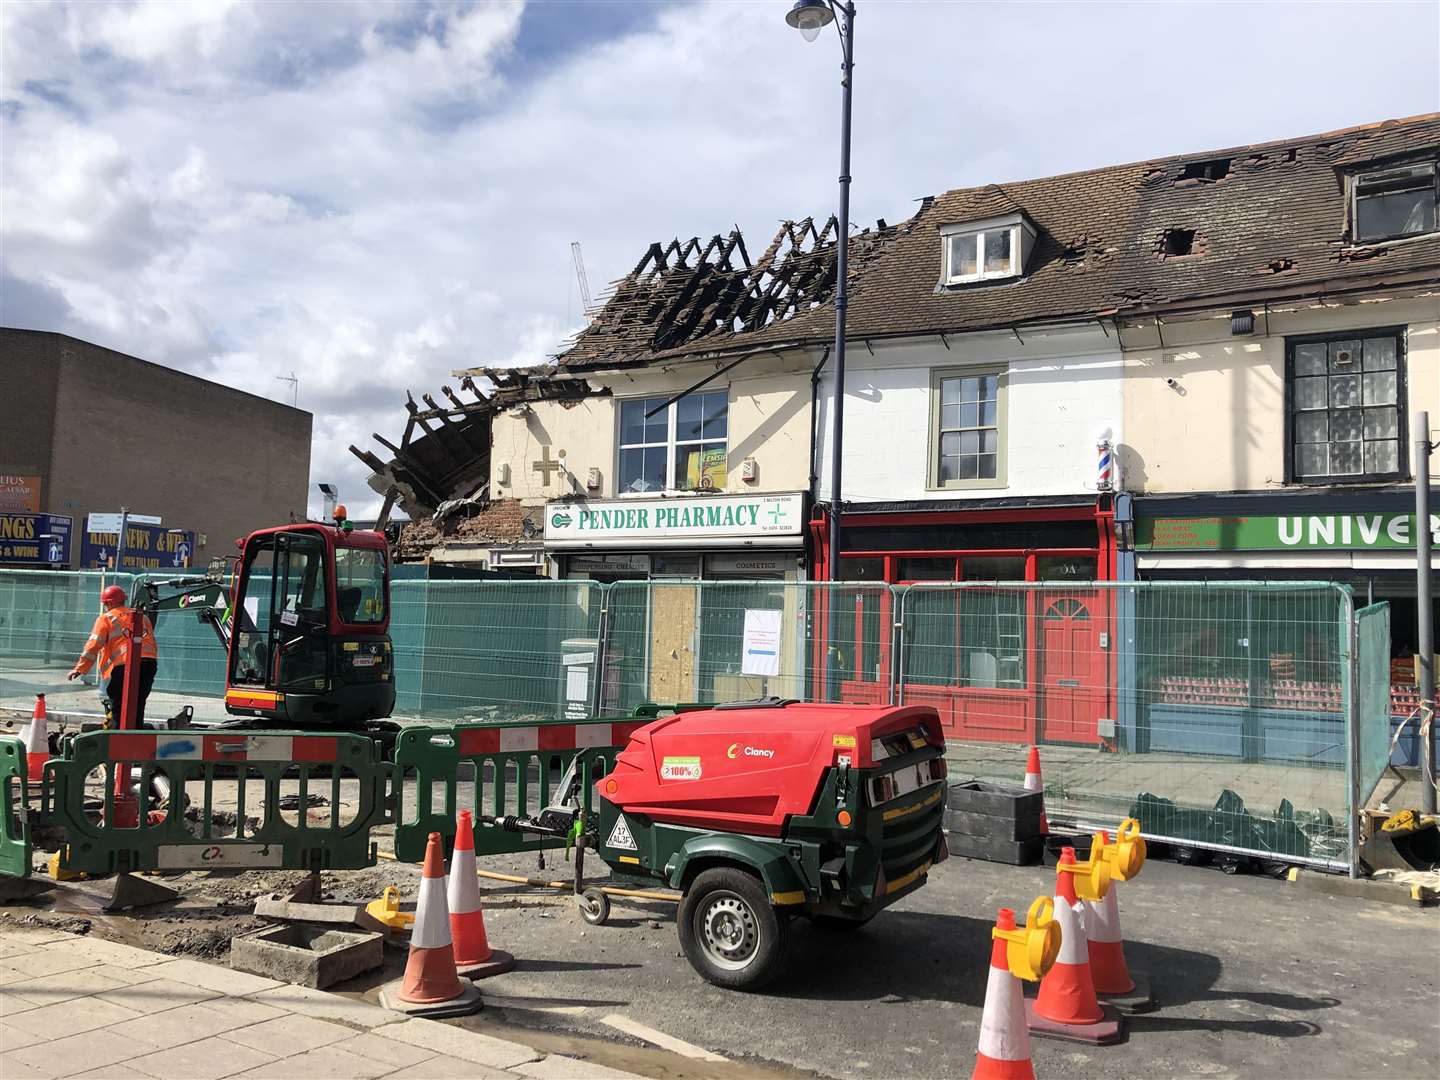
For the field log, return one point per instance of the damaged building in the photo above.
(1085, 377)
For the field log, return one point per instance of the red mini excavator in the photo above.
(304, 615)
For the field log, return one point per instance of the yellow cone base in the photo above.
(499, 963)
(467, 1003)
(1107, 1030)
(1136, 1000)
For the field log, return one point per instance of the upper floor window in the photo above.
(968, 422)
(984, 250)
(1346, 399)
(680, 448)
(1397, 202)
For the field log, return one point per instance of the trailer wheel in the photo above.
(594, 906)
(729, 930)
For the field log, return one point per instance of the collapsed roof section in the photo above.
(442, 464)
(687, 296)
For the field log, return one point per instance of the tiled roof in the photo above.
(1273, 225)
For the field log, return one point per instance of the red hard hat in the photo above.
(112, 594)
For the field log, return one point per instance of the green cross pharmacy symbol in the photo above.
(776, 514)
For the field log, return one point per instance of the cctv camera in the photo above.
(328, 489)
(1172, 383)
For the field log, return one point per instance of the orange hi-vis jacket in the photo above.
(107, 642)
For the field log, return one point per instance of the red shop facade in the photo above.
(1000, 663)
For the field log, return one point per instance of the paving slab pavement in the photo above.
(68, 1008)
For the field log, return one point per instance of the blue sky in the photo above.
(372, 194)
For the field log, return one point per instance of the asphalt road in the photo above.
(1254, 978)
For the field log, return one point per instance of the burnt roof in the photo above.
(1269, 223)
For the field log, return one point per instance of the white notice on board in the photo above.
(760, 654)
(577, 684)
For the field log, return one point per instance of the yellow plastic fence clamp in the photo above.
(1126, 855)
(1031, 949)
(387, 910)
(1092, 877)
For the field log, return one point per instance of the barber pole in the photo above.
(1104, 466)
(1004, 1052)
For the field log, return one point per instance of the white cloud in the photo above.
(373, 194)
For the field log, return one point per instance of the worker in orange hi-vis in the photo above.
(108, 644)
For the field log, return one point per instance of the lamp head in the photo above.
(810, 17)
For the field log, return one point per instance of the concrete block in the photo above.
(80, 1053)
(307, 954)
(281, 909)
(1386, 892)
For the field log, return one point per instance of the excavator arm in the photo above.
(208, 597)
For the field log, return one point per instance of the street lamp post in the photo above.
(810, 17)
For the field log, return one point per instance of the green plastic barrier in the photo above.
(243, 800)
(498, 769)
(14, 828)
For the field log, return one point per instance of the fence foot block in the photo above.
(132, 892)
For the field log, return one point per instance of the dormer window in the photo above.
(986, 250)
(1394, 203)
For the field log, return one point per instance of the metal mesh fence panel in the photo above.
(494, 650)
(45, 617)
(1214, 712)
(673, 641)
(1372, 729)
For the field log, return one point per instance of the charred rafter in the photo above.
(680, 294)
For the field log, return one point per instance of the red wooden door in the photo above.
(1072, 669)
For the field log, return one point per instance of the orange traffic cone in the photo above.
(37, 742)
(431, 986)
(1066, 1006)
(1004, 1052)
(474, 957)
(1033, 782)
(1108, 970)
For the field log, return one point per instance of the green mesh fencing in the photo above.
(737, 640)
(492, 650)
(1219, 712)
(1372, 728)
(1215, 712)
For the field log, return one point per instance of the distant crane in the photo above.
(587, 304)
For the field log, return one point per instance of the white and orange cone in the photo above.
(1066, 1007)
(1034, 782)
(431, 986)
(1108, 970)
(1004, 1052)
(474, 958)
(37, 742)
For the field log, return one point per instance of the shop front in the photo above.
(1363, 540)
(691, 582)
(684, 537)
(1020, 653)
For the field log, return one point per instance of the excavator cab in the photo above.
(310, 643)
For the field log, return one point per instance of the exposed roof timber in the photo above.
(680, 294)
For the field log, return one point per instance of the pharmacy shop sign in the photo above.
(1298, 532)
(702, 519)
